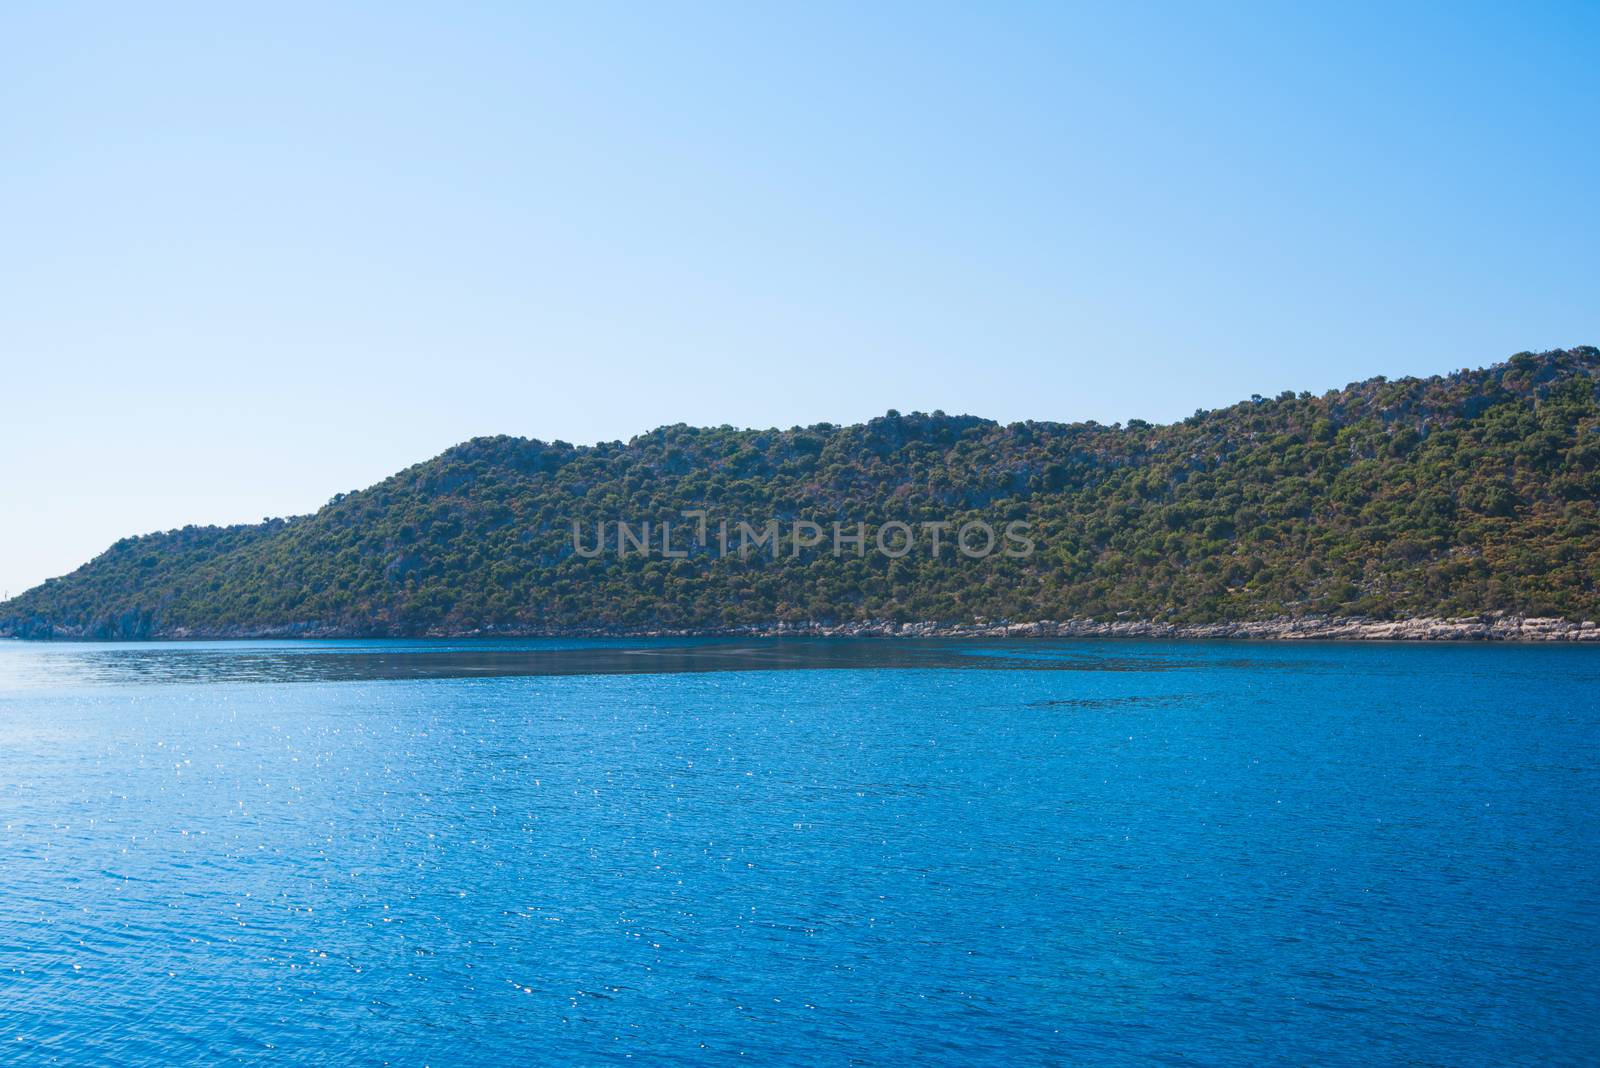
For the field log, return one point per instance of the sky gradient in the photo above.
(254, 257)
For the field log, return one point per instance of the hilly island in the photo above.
(1462, 505)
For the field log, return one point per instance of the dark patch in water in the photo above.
(1132, 700)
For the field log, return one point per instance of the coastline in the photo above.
(1492, 626)
(1341, 628)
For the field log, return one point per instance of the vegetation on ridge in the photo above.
(1446, 496)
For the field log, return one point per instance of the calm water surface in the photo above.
(799, 852)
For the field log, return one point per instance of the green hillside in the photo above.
(1443, 496)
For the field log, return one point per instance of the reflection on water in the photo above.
(31, 665)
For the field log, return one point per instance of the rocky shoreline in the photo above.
(1494, 626)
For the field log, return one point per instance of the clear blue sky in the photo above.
(254, 256)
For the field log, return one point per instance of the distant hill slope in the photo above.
(1444, 496)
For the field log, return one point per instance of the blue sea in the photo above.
(799, 852)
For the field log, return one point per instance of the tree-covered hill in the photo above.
(1444, 496)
